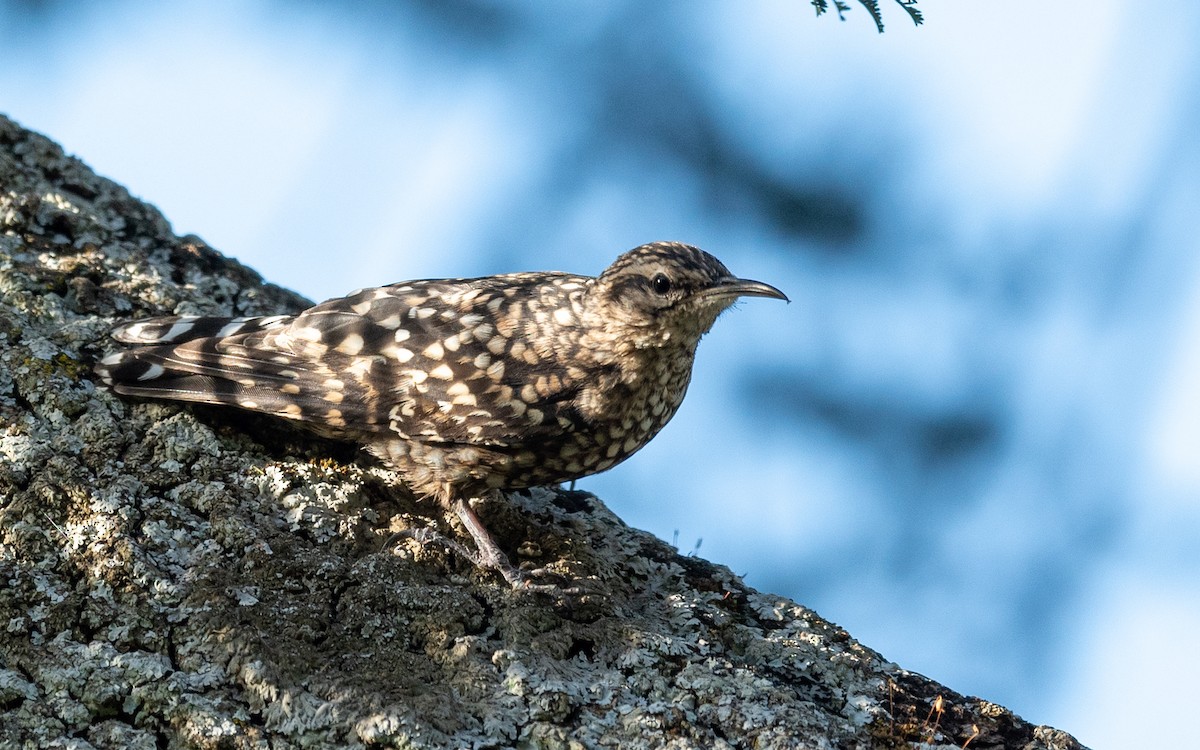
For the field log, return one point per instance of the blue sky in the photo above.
(973, 437)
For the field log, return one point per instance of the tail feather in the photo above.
(181, 328)
(226, 362)
(156, 373)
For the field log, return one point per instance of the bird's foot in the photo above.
(487, 555)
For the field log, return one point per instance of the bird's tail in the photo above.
(197, 359)
(180, 328)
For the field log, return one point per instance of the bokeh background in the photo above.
(973, 438)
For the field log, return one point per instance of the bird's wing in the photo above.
(439, 361)
(458, 361)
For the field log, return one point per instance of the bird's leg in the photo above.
(486, 555)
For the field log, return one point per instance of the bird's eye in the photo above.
(661, 283)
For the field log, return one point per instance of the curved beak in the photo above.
(734, 287)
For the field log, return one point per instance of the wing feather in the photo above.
(446, 361)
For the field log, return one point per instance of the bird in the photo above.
(468, 387)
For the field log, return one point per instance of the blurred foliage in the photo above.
(872, 6)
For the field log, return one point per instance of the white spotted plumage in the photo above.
(464, 385)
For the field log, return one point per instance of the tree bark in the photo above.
(189, 577)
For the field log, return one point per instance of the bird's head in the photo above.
(668, 293)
